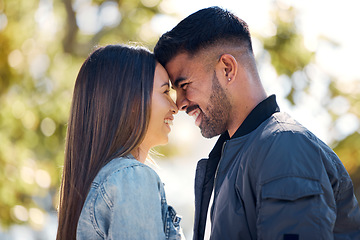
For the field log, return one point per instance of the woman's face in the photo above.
(162, 110)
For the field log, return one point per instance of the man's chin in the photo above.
(208, 134)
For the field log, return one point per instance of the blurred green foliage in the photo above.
(42, 48)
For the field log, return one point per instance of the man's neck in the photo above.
(239, 115)
(262, 111)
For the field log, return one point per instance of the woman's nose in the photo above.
(174, 108)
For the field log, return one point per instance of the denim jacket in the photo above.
(127, 201)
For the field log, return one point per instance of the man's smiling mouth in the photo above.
(194, 111)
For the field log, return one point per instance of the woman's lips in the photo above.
(168, 121)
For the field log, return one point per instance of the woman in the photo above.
(121, 108)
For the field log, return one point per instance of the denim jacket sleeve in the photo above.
(133, 202)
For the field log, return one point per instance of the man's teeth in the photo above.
(196, 114)
(168, 121)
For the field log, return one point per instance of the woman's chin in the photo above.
(163, 141)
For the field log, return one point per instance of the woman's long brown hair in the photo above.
(109, 117)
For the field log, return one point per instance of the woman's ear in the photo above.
(228, 66)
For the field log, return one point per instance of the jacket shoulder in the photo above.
(123, 177)
(283, 147)
(123, 166)
(121, 184)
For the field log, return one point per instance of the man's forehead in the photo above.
(178, 66)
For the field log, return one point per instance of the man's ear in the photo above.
(228, 66)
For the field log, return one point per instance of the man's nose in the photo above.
(181, 101)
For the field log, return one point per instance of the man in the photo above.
(270, 177)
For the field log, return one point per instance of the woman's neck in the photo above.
(140, 154)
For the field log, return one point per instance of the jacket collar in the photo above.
(258, 115)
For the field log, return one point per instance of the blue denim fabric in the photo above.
(127, 201)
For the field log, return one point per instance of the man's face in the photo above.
(200, 94)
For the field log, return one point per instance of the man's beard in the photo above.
(218, 111)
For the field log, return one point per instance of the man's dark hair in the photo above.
(202, 29)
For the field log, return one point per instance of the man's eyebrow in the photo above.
(178, 80)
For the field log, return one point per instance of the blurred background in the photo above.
(307, 54)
